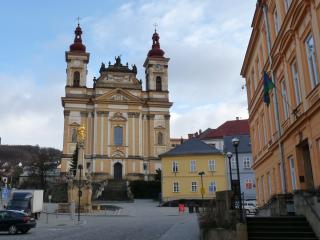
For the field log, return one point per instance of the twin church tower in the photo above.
(127, 127)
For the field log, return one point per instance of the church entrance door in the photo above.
(117, 169)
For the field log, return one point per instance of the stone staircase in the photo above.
(279, 228)
(115, 190)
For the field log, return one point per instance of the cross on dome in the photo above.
(77, 43)
(155, 51)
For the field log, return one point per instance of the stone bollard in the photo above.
(72, 210)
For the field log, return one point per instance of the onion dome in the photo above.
(77, 44)
(156, 51)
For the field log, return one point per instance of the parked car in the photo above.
(250, 207)
(14, 221)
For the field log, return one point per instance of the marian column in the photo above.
(80, 189)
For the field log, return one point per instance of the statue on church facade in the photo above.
(134, 68)
(118, 61)
(74, 135)
(81, 133)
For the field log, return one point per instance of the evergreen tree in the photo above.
(157, 177)
(74, 162)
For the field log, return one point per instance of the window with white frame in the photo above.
(276, 20)
(253, 79)
(269, 184)
(312, 62)
(258, 189)
(249, 184)
(175, 166)
(259, 136)
(265, 137)
(293, 174)
(246, 163)
(259, 68)
(233, 163)
(296, 82)
(212, 187)
(263, 188)
(193, 166)
(194, 186)
(285, 99)
(176, 187)
(212, 165)
(287, 4)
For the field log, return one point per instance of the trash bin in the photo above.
(190, 209)
(181, 208)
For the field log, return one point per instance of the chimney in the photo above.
(181, 140)
(237, 118)
(200, 131)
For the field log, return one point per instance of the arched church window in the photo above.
(160, 138)
(76, 79)
(118, 135)
(158, 84)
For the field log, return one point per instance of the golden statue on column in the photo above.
(81, 182)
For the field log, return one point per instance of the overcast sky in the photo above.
(206, 41)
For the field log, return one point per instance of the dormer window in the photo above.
(76, 79)
(158, 84)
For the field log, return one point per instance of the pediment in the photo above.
(118, 95)
(118, 117)
(118, 154)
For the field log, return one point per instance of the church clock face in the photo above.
(77, 63)
(158, 66)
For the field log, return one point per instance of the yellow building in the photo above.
(285, 148)
(181, 167)
(127, 128)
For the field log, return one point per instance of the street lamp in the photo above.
(80, 167)
(235, 143)
(229, 155)
(21, 169)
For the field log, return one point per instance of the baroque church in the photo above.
(126, 127)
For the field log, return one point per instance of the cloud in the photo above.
(31, 113)
(203, 117)
(206, 41)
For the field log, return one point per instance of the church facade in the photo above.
(126, 127)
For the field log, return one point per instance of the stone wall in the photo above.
(219, 221)
(308, 205)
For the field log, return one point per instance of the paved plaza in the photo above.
(142, 219)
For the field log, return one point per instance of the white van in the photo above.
(250, 207)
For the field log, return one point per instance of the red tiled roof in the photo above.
(229, 128)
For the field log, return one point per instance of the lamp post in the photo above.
(80, 167)
(235, 143)
(20, 168)
(229, 155)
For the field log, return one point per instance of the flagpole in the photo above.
(276, 105)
